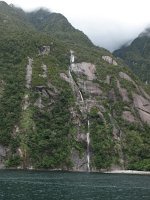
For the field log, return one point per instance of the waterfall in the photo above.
(81, 96)
(29, 73)
(72, 80)
(85, 105)
(88, 146)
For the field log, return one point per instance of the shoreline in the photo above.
(128, 172)
(115, 171)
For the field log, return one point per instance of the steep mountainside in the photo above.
(64, 103)
(58, 26)
(137, 55)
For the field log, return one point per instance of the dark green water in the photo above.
(30, 185)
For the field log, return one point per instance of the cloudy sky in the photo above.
(108, 23)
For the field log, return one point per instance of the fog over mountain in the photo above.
(112, 35)
(108, 23)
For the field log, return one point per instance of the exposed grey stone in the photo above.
(65, 77)
(123, 92)
(116, 132)
(44, 50)
(79, 162)
(109, 60)
(145, 94)
(38, 103)
(15, 130)
(143, 107)
(84, 68)
(102, 109)
(3, 152)
(44, 75)
(52, 87)
(81, 137)
(111, 95)
(125, 76)
(108, 79)
(90, 87)
(26, 102)
(128, 116)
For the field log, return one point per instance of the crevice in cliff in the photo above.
(143, 110)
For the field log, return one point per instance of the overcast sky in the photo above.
(108, 23)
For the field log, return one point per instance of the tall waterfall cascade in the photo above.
(72, 59)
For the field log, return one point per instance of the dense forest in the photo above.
(62, 114)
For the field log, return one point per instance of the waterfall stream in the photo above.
(86, 110)
(29, 73)
(88, 146)
(81, 96)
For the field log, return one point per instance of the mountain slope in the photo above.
(66, 104)
(137, 55)
(57, 25)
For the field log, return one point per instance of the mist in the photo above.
(110, 34)
(109, 23)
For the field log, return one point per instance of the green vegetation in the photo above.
(41, 126)
(49, 144)
(102, 142)
(136, 148)
(137, 56)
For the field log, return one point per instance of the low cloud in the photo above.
(109, 34)
(108, 23)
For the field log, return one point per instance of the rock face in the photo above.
(128, 116)
(65, 77)
(38, 103)
(44, 68)
(80, 163)
(108, 79)
(125, 76)
(90, 87)
(143, 107)
(123, 92)
(44, 50)
(26, 102)
(84, 68)
(145, 94)
(109, 60)
(2, 156)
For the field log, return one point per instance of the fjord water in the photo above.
(33, 185)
